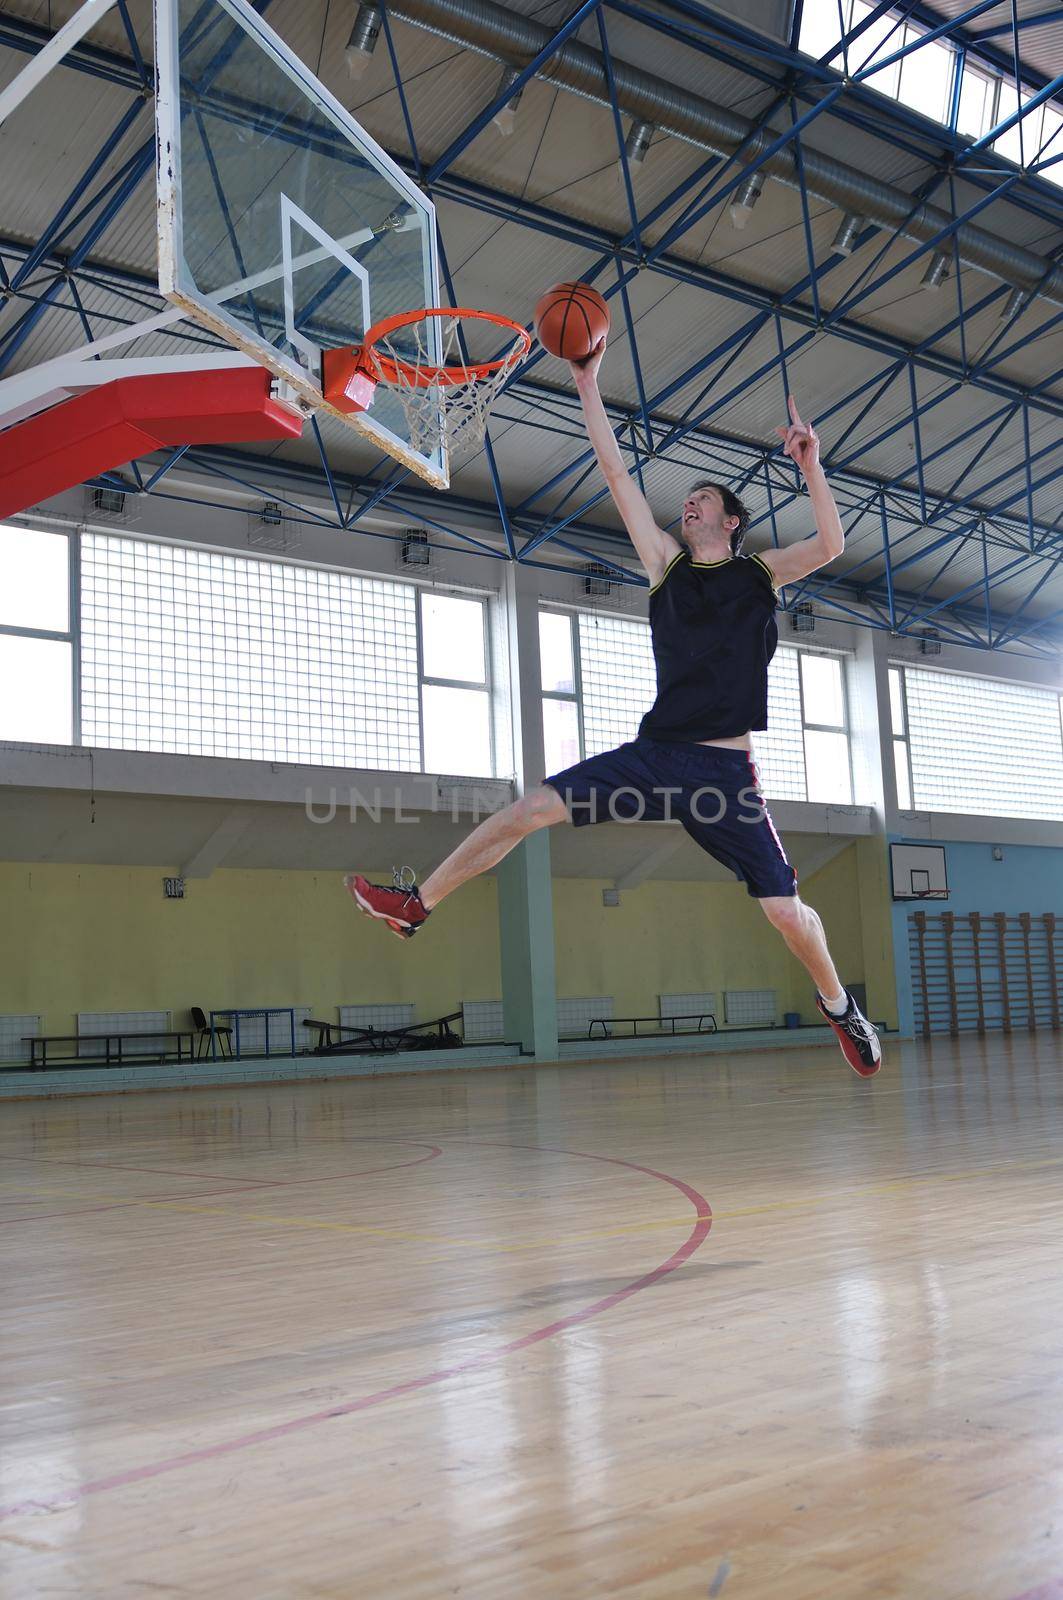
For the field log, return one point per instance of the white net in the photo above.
(454, 411)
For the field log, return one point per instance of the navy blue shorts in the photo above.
(714, 792)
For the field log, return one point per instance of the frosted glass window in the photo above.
(896, 701)
(829, 778)
(824, 690)
(822, 27)
(926, 78)
(803, 754)
(1035, 137)
(922, 80)
(618, 676)
(453, 644)
(977, 95)
(1011, 144)
(34, 579)
(616, 685)
(36, 702)
(980, 746)
(193, 652)
(457, 731)
(882, 39)
(558, 669)
(1051, 141)
(779, 748)
(904, 777)
(560, 734)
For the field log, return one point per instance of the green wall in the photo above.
(105, 938)
(668, 938)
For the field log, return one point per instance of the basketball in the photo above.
(570, 318)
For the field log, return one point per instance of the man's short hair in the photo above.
(732, 507)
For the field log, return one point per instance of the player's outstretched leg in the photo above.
(803, 932)
(403, 907)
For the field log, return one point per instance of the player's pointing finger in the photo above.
(794, 413)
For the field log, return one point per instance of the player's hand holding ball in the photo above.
(572, 322)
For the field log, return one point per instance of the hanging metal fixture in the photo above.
(745, 199)
(1015, 302)
(362, 42)
(505, 120)
(638, 142)
(937, 271)
(844, 241)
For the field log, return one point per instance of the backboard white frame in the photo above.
(175, 282)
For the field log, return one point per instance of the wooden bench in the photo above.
(660, 1023)
(116, 1051)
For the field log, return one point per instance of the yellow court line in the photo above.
(857, 1193)
(554, 1241)
(221, 1211)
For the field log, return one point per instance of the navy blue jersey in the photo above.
(714, 632)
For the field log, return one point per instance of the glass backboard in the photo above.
(283, 226)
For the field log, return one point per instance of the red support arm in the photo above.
(107, 427)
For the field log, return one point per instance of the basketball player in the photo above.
(712, 619)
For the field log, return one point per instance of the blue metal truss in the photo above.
(912, 520)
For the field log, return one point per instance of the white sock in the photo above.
(839, 1005)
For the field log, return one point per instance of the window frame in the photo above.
(823, 727)
(963, 62)
(577, 676)
(191, 678)
(905, 737)
(901, 667)
(423, 678)
(72, 635)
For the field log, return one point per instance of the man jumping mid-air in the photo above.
(712, 620)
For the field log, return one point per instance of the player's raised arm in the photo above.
(655, 548)
(801, 444)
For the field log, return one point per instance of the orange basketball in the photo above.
(570, 319)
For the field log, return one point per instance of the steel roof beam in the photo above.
(249, 467)
(480, 197)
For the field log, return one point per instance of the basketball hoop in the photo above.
(448, 398)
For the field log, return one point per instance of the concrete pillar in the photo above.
(525, 898)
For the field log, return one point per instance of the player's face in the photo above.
(703, 514)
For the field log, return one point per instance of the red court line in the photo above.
(189, 1458)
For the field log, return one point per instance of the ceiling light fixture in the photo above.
(937, 271)
(505, 119)
(362, 42)
(746, 197)
(1015, 302)
(844, 241)
(638, 142)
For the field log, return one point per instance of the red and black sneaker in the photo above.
(857, 1037)
(400, 906)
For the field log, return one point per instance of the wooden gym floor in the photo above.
(474, 1334)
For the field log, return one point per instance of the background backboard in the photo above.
(918, 872)
(283, 227)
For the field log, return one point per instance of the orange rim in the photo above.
(394, 370)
